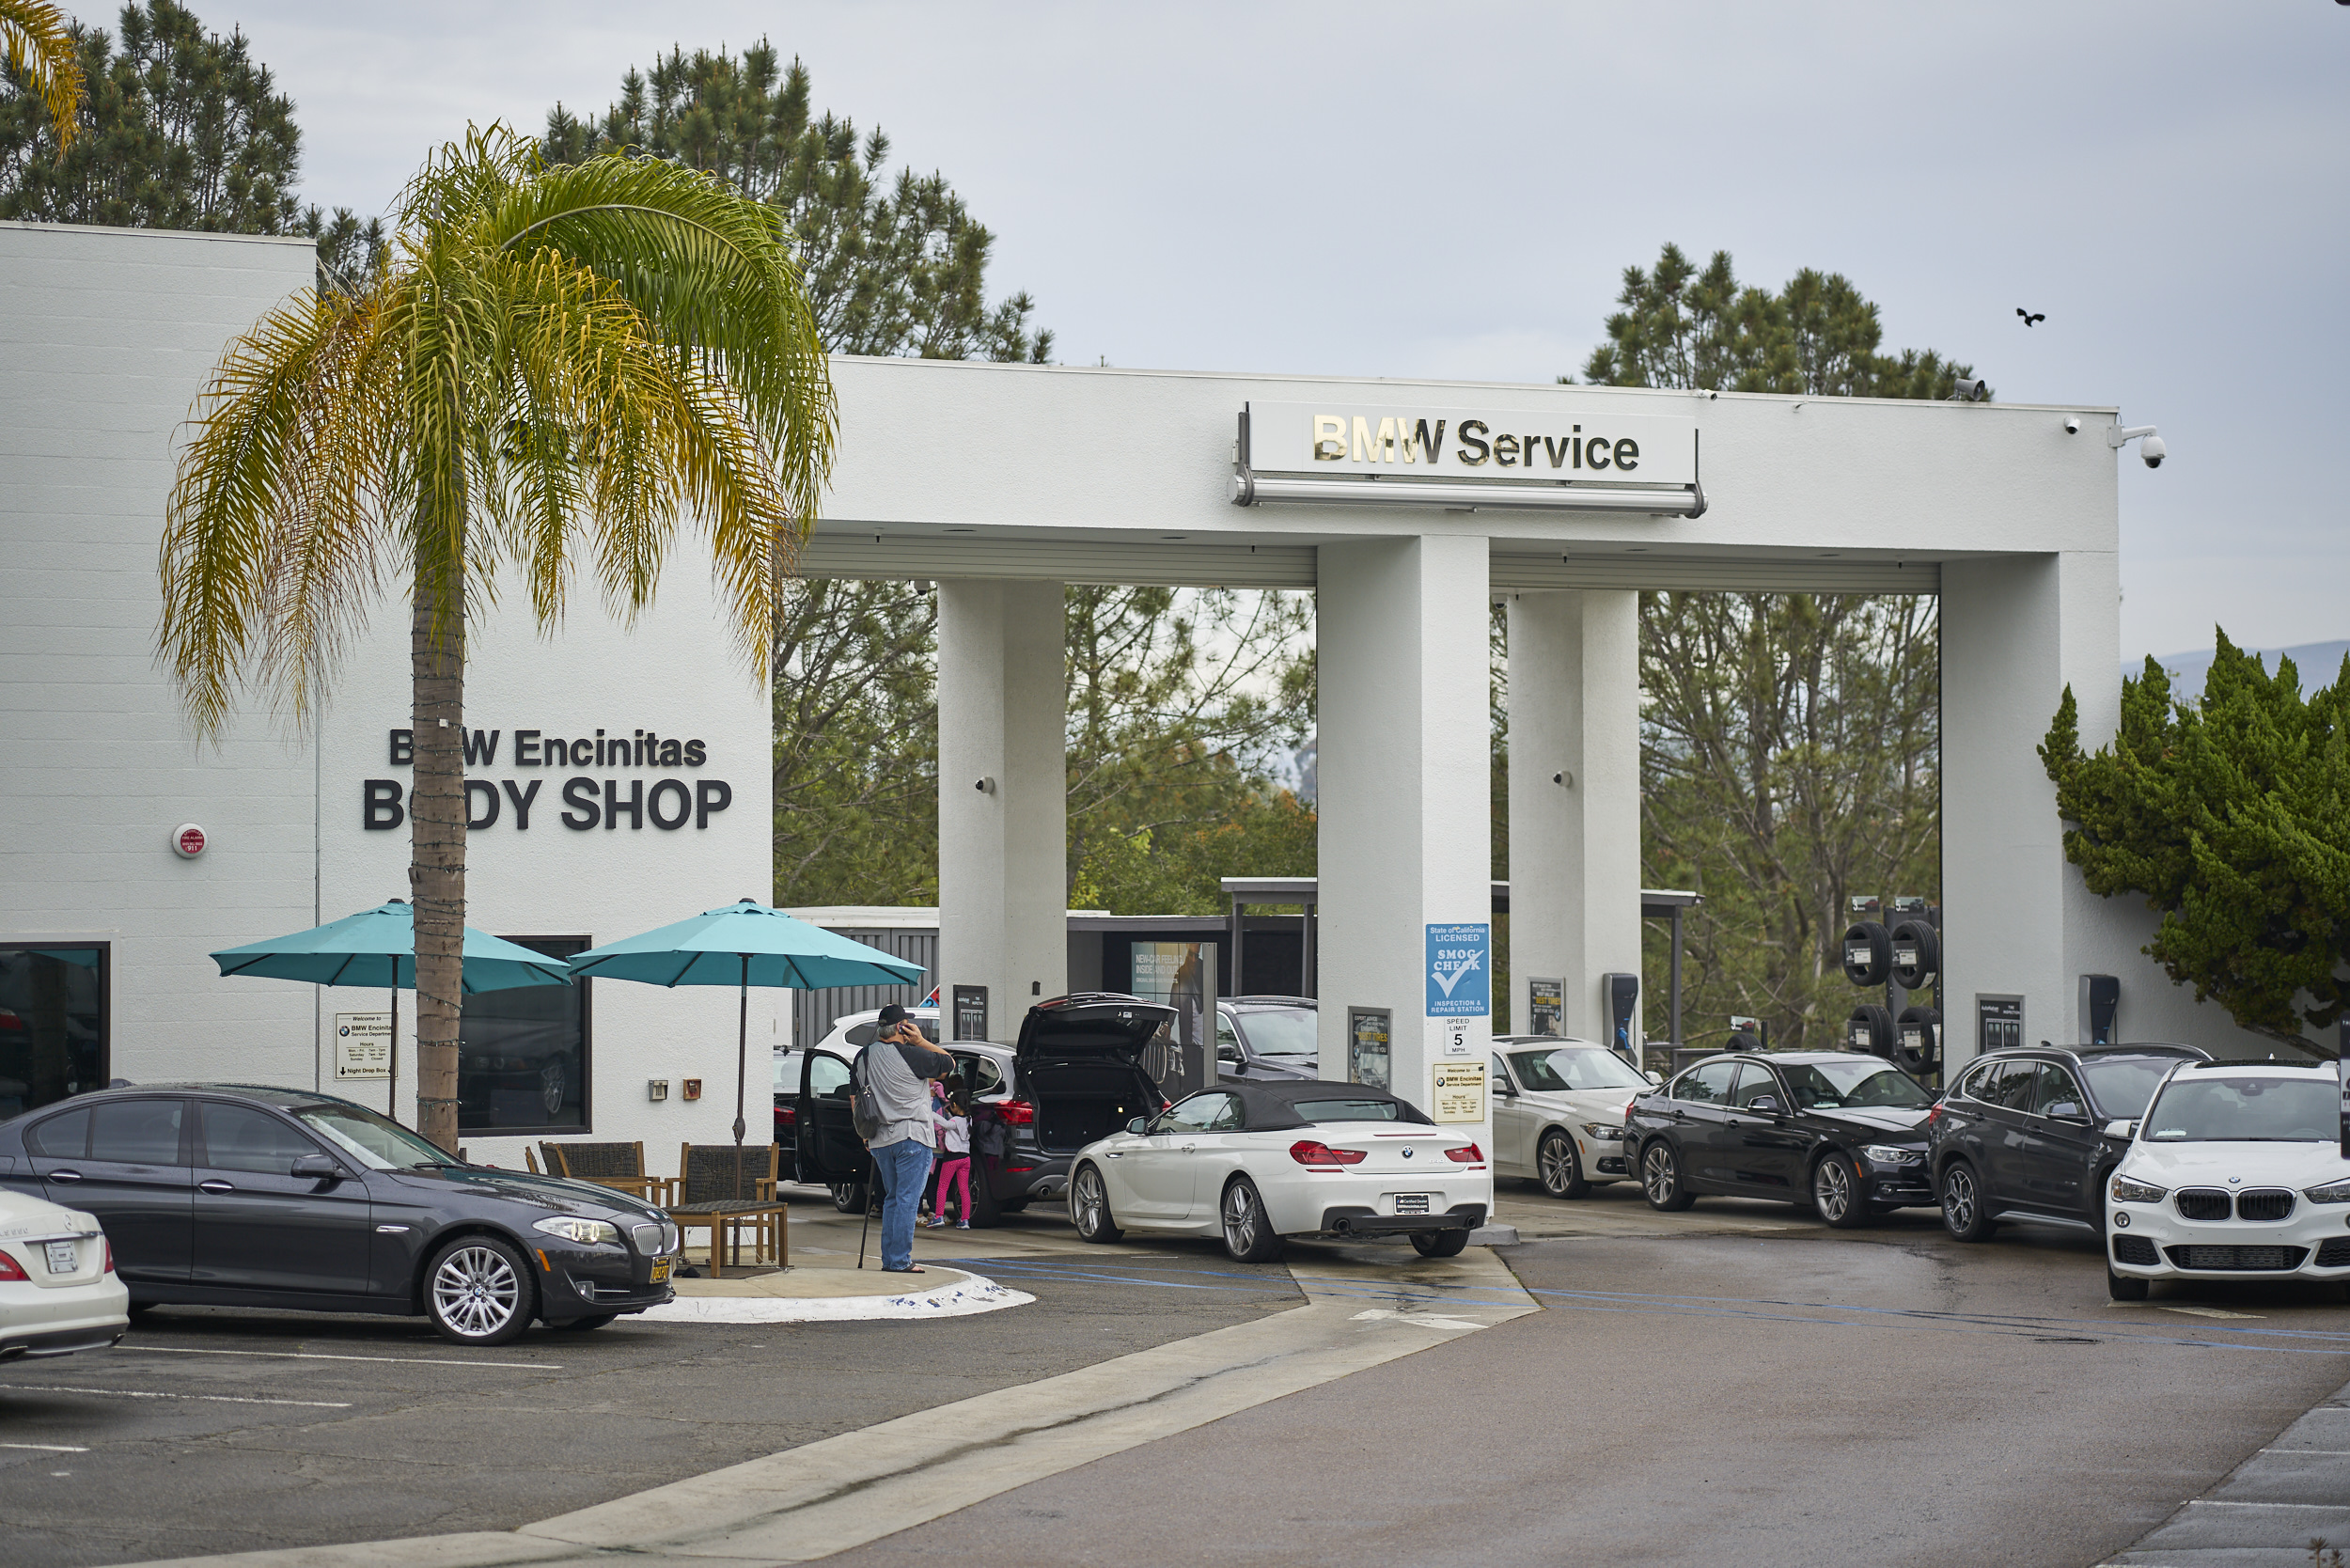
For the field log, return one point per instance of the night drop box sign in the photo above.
(1460, 971)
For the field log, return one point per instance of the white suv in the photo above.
(2236, 1173)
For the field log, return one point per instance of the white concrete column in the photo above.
(2015, 920)
(1575, 799)
(1407, 814)
(1002, 797)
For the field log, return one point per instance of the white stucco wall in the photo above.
(106, 337)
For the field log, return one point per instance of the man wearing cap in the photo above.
(898, 1068)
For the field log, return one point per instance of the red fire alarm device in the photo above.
(693, 1089)
(188, 840)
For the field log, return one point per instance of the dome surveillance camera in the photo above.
(2154, 451)
(2072, 424)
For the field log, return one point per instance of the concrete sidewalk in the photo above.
(2271, 1508)
(831, 1292)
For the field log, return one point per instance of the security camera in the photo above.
(2154, 451)
(2072, 424)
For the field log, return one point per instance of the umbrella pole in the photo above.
(742, 1068)
(391, 1085)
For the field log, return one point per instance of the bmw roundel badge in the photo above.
(1407, 1153)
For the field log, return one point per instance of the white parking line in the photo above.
(324, 1356)
(46, 1448)
(2222, 1502)
(146, 1393)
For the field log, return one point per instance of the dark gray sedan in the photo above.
(236, 1195)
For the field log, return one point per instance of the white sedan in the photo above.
(58, 1293)
(2235, 1172)
(1559, 1108)
(1257, 1162)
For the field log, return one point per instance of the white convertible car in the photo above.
(1257, 1162)
(58, 1291)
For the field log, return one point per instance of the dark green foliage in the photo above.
(1684, 328)
(902, 272)
(179, 129)
(2231, 818)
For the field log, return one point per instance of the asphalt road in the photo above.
(1732, 1386)
(214, 1431)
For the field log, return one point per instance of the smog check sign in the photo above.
(1460, 971)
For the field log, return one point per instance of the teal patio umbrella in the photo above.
(744, 945)
(377, 947)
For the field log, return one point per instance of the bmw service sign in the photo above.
(1460, 973)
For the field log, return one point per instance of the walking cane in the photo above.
(872, 1191)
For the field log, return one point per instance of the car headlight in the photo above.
(1887, 1154)
(588, 1232)
(2332, 1192)
(2128, 1191)
(1600, 1132)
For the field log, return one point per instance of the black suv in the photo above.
(1834, 1131)
(2022, 1134)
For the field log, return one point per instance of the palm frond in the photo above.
(38, 44)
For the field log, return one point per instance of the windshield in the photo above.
(374, 1142)
(1850, 1085)
(1584, 1067)
(1286, 1031)
(2122, 1085)
(787, 1072)
(2246, 1110)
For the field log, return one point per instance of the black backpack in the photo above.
(864, 1110)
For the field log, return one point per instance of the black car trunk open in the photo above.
(1080, 1065)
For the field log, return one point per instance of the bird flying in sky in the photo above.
(2031, 316)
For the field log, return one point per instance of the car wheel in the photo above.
(551, 1089)
(1964, 1213)
(1561, 1172)
(1089, 1208)
(1836, 1194)
(478, 1291)
(1660, 1178)
(2124, 1287)
(849, 1197)
(1439, 1244)
(1247, 1230)
(581, 1325)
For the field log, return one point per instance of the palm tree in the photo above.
(40, 46)
(548, 358)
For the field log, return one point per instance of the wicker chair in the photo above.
(619, 1165)
(712, 1192)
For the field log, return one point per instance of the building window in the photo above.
(53, 1024)
(522, 1055)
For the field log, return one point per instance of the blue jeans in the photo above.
(902, 1167)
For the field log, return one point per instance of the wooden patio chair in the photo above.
(703, 1196)
(617, 1166)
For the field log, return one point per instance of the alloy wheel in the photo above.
(1091, 1204)
(475, 1291)
(1831, 1189)
(1240, 1218)
(1558, 1166)
(1958, 1198)
(1658, 1177)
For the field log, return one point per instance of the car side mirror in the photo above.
(315, 1167)
(1763, 1104)
(1228, 1053)
(1137, 1124)
(2065, 1110)
(1653, 1077)
(2121, 1129)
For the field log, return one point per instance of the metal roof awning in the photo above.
(1656, 904)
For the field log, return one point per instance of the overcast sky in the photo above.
(1454, 191)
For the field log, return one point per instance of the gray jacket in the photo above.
(900, 1079)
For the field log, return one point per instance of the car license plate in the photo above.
(1411, 1203)
(62, 1258)
(660, 1271)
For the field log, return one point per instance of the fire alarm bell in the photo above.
(188, 840)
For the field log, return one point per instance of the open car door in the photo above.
(830, 1153)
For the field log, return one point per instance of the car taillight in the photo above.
(9, 1268)
(1016, 1113)
(1934, 1116)
(1467, 1154)
(787, 1116)
(1306, 1152)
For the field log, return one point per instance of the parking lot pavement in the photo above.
(215, 1431)
(1729, 1385)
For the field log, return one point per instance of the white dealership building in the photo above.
(619, 778)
